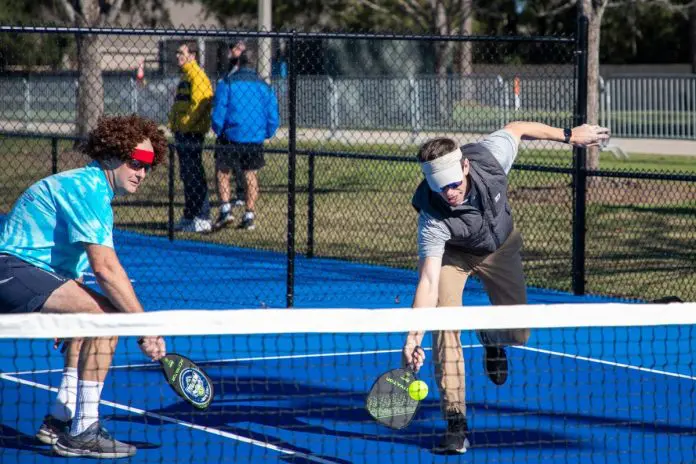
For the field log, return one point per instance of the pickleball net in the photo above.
(595, 383)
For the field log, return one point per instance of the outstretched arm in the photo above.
(586, 135)
(426, 297)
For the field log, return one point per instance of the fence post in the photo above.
(414, 105)
(170, 213)
(292, 164)
(333, 108)
(501, 101)
(602, 103)
(579, 159)
(27, 104)
(54, 155)
(134, 96)
(310, 204)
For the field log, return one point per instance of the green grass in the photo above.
(640, 234)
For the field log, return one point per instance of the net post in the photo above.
(292, 164)
(579, 160)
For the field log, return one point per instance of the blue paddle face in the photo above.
(188, 380)
(389, 402)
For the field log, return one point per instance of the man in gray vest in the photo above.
(465, 228)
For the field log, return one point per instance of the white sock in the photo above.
(87, 412)
(249, 215)
(225, 208)
(63, 408)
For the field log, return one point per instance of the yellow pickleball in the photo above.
(418, 390)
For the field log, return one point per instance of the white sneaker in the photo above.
(198, 225)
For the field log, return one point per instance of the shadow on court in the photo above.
(292, 408)
(11, 438)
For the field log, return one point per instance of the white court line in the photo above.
(608, 363)
(311, 458)
(258, 358)
(360, 353)
(210, 430)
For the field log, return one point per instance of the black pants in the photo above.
(192, 173)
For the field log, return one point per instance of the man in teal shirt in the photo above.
(56, 229)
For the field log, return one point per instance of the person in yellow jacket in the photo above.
(189, 120)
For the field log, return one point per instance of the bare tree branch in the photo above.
(69, 10)
(668, 5)
(419, 12)
(113, 11)
(373, 6)
(556, 9)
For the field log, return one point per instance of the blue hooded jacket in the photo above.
(245, 109)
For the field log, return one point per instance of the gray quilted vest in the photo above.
(473, 231)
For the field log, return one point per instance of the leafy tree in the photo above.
(90, 91)
(595, 10)
(26, 51)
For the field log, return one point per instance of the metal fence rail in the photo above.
(650, 106)
(632, 106)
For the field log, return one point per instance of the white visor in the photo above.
(444, 170)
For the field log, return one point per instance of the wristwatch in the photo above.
(567, 134)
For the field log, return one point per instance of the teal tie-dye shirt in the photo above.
(51, 220)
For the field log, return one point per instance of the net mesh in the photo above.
(595, 383)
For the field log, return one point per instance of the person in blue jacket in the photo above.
(245, 114)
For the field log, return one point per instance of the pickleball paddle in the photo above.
(389, 401)
(188, 380)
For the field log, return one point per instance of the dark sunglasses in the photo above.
(137, 165)
(453, 185)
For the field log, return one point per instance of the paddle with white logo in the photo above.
(188, 380)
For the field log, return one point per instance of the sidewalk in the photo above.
(657, 146)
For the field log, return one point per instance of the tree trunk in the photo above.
(594, 16)
(464, 57)
(90, 84)
(442, 56)
(90, 88)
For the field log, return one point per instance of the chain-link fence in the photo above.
(335, 180)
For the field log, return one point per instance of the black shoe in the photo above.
(51, 429)
(223, 220)
(454, 440)
(495, 363)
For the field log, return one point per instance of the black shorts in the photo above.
(249, 156)
(24, 288)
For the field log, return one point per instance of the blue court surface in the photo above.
(592, 395)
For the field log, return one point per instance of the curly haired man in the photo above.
(56, 228)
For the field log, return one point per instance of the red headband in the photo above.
(146, 156)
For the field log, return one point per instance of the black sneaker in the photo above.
(223, 220)
(454, 440)
(247, 223)
(495, 363)
(95, 442)
(52, 429)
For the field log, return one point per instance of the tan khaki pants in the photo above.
(503, 279)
